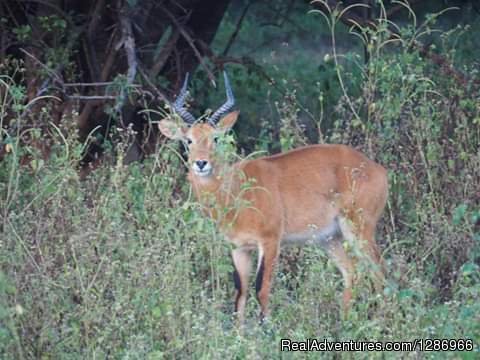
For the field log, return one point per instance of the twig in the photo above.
(246, 61)
(96, 17)
(3, 37)
(234, 35)
(399, 7)
(190, 42)
(91, 97)
(284, 17)
(288, 10)
(82, 118)
(110, 56)
(474, 6)
(128, 43)
(50, 71)
(98, 83)
(52, 6)
(90, 58)
(91, 54)
(159, 93)
(165, 53)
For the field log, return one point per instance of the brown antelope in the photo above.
(318, 194)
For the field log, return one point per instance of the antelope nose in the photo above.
(201, 164)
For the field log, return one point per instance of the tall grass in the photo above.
(124, 265)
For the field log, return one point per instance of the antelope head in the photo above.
(200, 138)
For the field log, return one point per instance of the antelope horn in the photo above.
(227, 106)
(179, 103)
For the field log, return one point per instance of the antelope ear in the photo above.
(228, 121)
(171, 129)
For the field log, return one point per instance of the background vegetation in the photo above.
(118, 262)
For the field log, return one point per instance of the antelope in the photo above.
(326, 195)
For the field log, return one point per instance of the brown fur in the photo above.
(308, 188)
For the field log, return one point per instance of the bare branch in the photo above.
(128, 43)
(246, 61)
(99, 83)
(110, 57)
(190, 42)
(399, 7)
(82, 119)
(91, 97)
(96, 17)
(165, 53)
(237, 29)
(159, 93)
(50, 71)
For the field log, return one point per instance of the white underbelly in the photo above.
(314, 235)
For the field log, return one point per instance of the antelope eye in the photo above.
(215, 139)
(189, 141)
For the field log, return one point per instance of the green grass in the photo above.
(124, 265)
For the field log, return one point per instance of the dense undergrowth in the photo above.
(123, 265)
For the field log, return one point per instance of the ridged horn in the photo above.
(227, 106)
(179, 103)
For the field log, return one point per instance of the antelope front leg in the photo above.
(267, 257)
(242, 261)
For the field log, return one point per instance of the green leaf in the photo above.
(459, 214)
(469, 269)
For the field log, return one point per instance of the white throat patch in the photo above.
(205, 171)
